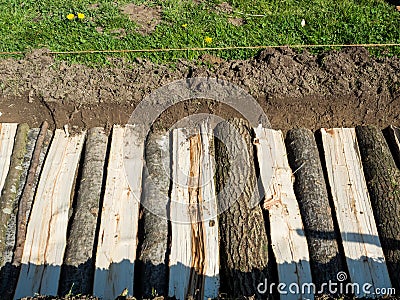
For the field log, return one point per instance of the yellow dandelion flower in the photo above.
(184, 25)
(81, 16)
(208, 40)
(70, 16)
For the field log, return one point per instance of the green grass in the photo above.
(27, 25)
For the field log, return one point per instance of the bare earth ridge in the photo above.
(338, 88)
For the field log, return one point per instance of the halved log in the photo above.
(362, 247)
(209, 212)
(7, 135)
(8, 198)
(47, 228)
(194, 259)
(180, 260)
(383, 181)
(152, 261)
(287, 236)
(78, 268)
(117, 241)
(312, 196)
(243, 237)
(197, 235)
(8, 210)
(34, 161)
(25, 194)
(393, 134)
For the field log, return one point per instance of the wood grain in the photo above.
(47, 228)
(194, 258)
(287, 236)
(7, 134)
(362, 247)
(117, 242)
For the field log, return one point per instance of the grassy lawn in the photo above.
(30, 24)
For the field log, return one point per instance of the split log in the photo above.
(362, 247)
(8, 199)
(8, 210)
(180, 260)
(209, 212)
(243, 237)
(194, 259)
(383, 181)
(47, 228)
(78, 268)
(7, 135)
(153, 251)
(10, 273)
(393, 135)
(117, 241)
(35, 160)
(288, 240)
(312, 196)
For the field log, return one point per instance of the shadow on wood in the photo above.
(356, 238)
(265, 287)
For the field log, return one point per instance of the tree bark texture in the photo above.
(78, 267)
(9, 197)
(8, 210)
(392, 135)
(243, 237)
(154, 225)
(9, 272)
(311, 193)
(383, 181)
(43, 140)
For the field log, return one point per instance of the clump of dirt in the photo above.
(147, 18)
(94, 6)
(224, 7)
(211, 59)
(236, 21)
(335, 89)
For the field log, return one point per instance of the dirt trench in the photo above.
(335, 89)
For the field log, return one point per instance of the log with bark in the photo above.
(392, 134)
(78, 267)
(243, 237)
(31, 166)
(312, 196)
(9, 197)
(8, 209)
(383, 181)
(154, 225)
(43, 139)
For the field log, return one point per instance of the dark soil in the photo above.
(336, 89)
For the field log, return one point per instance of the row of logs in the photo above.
(245, 256)
(30, 148)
